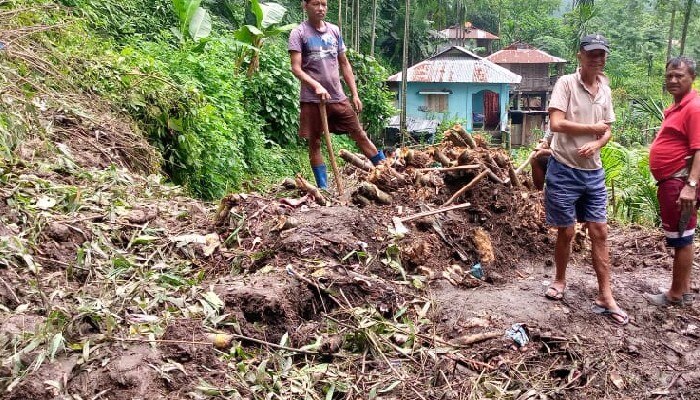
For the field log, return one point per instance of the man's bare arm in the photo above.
(559, 123)
(305, 78)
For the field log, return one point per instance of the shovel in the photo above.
(329, 146)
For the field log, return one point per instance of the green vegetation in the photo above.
(208, 81)
(188, 80)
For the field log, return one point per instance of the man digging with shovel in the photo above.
(317, 53)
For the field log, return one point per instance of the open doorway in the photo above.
(486, 112)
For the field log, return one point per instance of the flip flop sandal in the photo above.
(612, 314)
(558, 294)
(661, 300)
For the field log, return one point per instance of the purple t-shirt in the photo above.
(319, 58)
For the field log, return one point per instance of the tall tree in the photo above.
(670, 30)
(686, 20)
(373, 35)
(404, 70)
(340, 16)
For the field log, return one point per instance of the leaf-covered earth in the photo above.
(114, 285)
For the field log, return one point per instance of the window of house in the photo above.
(436, 102)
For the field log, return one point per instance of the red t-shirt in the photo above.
(678, 138)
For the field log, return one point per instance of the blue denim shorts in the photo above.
(574, 195)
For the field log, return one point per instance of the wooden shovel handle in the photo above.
(329, 146)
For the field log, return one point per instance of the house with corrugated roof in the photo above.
(468, 36)
(458, 84)
(539, 71)
(530, 98)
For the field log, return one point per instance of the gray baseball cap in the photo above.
(594, 41)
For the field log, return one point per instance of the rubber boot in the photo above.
(321, 176)
(376, 159)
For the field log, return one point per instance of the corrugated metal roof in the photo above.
(523, 53)
(458, 32)
(458, 65)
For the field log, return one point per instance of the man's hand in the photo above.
(589, 149)
(357, 103)
(600, 128)
(686, 200)
(322, 93)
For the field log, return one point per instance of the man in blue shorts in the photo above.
(580, 114)
(317, 53)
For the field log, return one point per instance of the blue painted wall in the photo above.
(466, 98)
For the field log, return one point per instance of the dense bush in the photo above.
(187, 99)
(122, 18)
(273, 94)
(377, 100)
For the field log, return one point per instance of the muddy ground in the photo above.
(130, 290)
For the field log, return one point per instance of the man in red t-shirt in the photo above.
(674, 160)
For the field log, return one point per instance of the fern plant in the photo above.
(631, 186)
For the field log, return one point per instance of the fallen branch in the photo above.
(431, 212)
(494, 177)
(527, 162)
(513, 176)
(464, 135)
(304, 185)
(319, 287)
(440, 157)
(471, 363)
(372, 192)
(448, 169)
(10, 291)
(467, 186)
(354, 160)
(212, 339)
(476, 338)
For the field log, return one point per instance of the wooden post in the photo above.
(329, 146)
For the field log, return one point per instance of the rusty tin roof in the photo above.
(458, 65)
(458, 32)
(523, 53)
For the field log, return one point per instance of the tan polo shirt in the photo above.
(571, 96)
